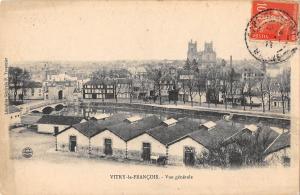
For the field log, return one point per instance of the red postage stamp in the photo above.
(274, 21)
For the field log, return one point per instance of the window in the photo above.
(56, 129)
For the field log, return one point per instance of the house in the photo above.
(127, 133)
(156, 141)
(14, 115)
(30, 91)
(55, 124)
(58, 90)
(122, 87)
(99, 89)
(189, 148)
(279, 151)
(277, 102)
(80, 137)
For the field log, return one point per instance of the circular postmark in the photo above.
(27, 152)
(271, 36)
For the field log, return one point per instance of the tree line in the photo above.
(213, 82)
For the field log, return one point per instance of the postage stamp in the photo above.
(275, 21)
(272, 33)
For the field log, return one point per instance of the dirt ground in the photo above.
(51, 172)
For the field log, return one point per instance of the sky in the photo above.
(131, 30)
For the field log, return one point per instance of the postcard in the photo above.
(154, 97)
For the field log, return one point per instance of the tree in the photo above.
(144, 85)
(117, 88)
(213, 85)
(232, 81)
(25, 77)
(131, 90)
(241, 90)
(225, 85)
(191, 85)
(100, 75)
(284, 87)
(269, 89)
(17, 79)
(200, 82)
(262, 92)
(250, 84)
(156, 75)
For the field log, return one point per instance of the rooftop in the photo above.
(59, 120)
(281, 142)
(167, 134)
(127, 131)
(225, 129)
(13, 109)
(203, 137)
(93, 127)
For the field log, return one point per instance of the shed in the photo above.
(55, 123)
(190, 147)
(167, 134)
(126, 133)
(72, 135)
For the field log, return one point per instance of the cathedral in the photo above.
(205, 58)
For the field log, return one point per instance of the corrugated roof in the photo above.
(127, 131)
(59, 120)
(281, 142)
(167, 134)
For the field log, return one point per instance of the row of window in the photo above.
(98, 91)
(98, 86)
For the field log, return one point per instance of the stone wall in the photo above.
(134, 155)
(82, 150)
(99, 151)
(137, 155)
